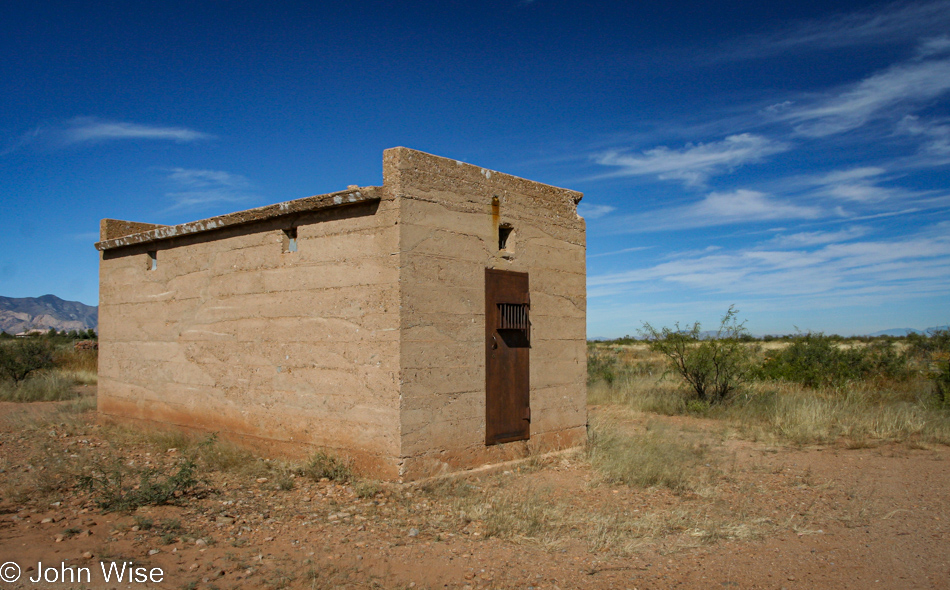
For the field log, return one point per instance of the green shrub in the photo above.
(941, 379)
(22, 357)
(117, 486)
(881, 359)
(324, 465)
(816, 360)
(367, 488)
(935, 341)
(602, 366)
(714, 369)
(933, 351)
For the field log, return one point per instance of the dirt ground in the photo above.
(772, 517)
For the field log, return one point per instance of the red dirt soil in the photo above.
(824, 517)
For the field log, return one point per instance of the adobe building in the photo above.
(431, 324)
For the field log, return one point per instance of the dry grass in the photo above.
(602, 522)
(83, 364)
(650, 486)
(47, 386)
(858, 416)
(71, 368)
(657, 456)
(858, 413)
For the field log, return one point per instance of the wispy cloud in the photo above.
(718, 208)
(892, 92)
(621, 251)
(199, 188)
(91, 130)
(936, 134)
(899, 268)
(594, 211)
(746, 205)
(859, 185)
(934, 46)
(891, 24)
(693, 163)
(816, 238)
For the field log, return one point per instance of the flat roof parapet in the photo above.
(350, 196)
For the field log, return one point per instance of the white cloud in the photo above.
(197, 188)
(839, 176)
(588, 211)
(861, 187)
(621, 251)
(934, 46)
(816, 238)
(693, 163)
(864, 193)
(746, 205)
(936, 134)
(898, 88)
(894, 23)
(718, 208)
(875, 270)
(90, 129)
(202, 179)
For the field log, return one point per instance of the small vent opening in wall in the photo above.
(290, 240)
(514, 316)
(151, 262)
(504, 236)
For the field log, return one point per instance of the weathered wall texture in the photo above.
(448, 236)
(369, 339)
(230, 333)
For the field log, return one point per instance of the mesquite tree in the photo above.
(20, 358)
(714, 368)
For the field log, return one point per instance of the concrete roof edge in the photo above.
(576, 196)
(328, 201)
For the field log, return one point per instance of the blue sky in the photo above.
(791, 158)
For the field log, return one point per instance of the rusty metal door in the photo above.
(507, 344)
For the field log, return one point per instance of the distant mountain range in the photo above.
(49, 311)
(890, 332)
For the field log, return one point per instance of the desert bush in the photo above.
(22, 357)
(324, 465)
(933, 342)
(367, 488)
(117, 486)
(941, 379)
(932, 350)
(713, 369)
(870, 408)
(816, 360)
(44, 387)
(601, 366)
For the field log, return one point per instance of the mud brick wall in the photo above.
(230, 333)
(369, 339)
(448, 236)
